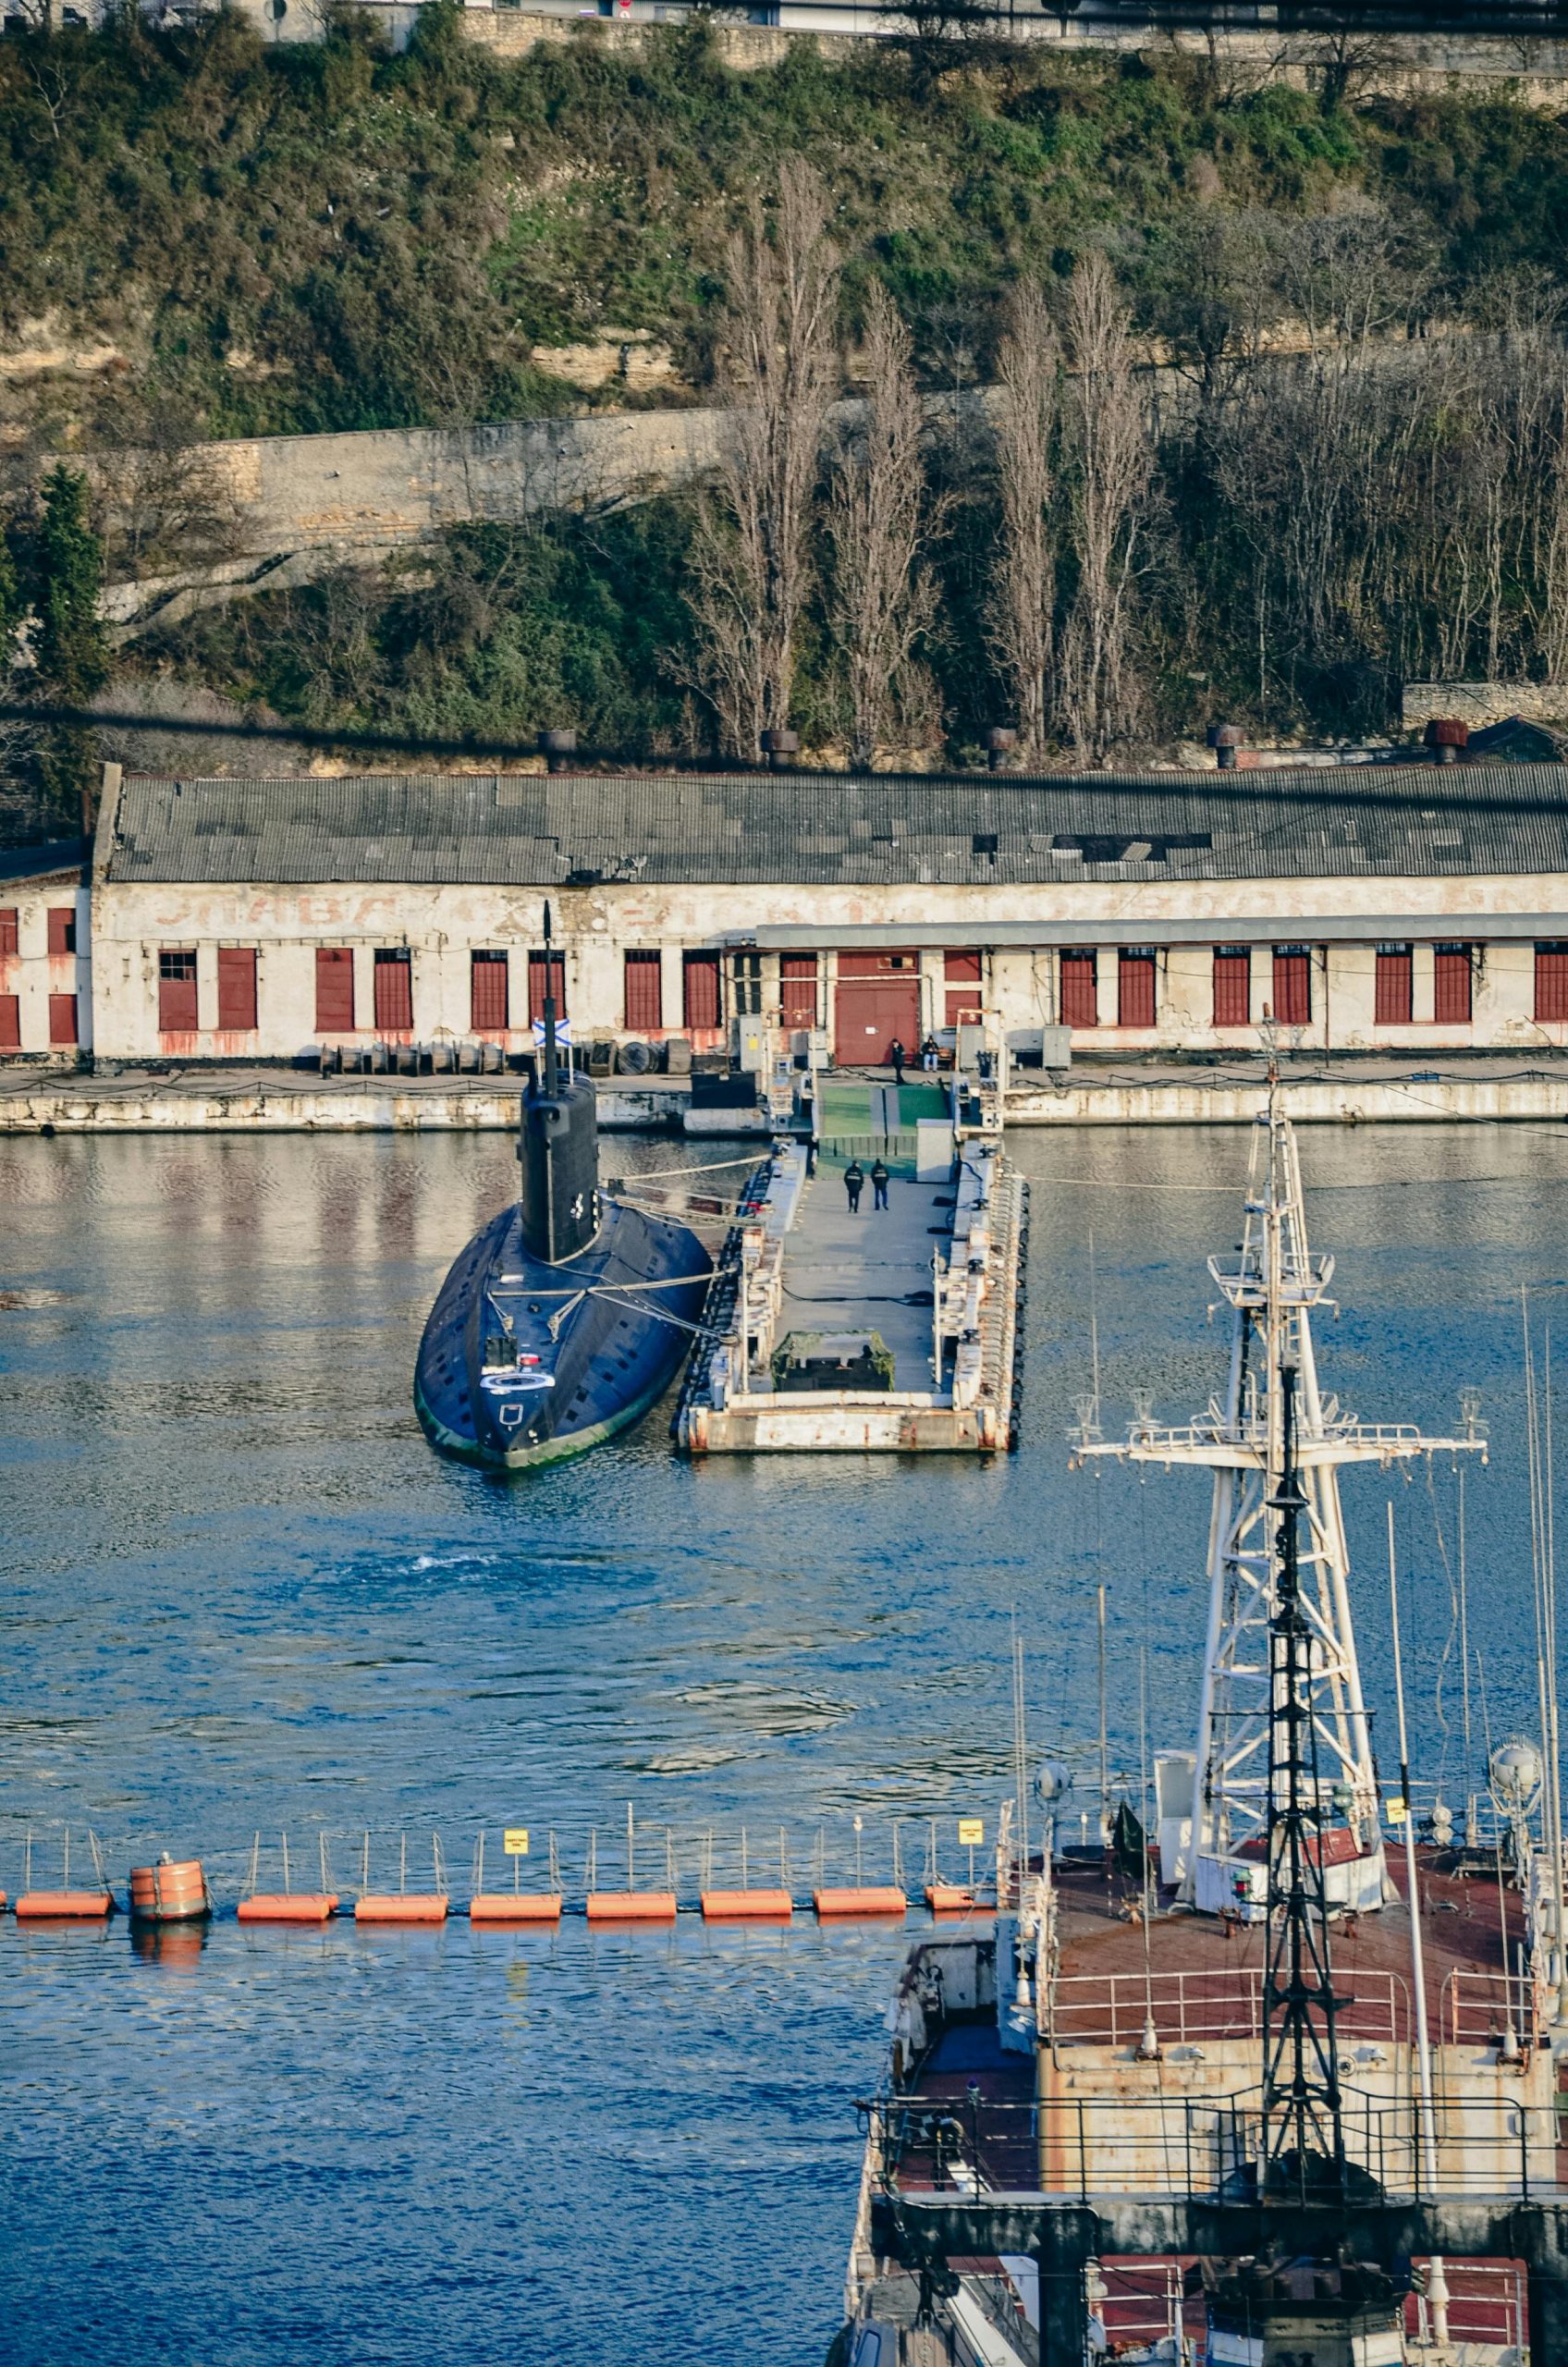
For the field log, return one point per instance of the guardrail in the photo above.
(1110, 2009)
(1095, 2147)
(1478, 2008)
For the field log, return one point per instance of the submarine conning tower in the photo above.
(557, 1146)
(558, 1149)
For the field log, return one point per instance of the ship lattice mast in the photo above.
(1271, 1286)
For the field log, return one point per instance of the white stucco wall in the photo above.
(442, 927)
(32, 975)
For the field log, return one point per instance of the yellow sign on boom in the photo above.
(971, 1833)
(514, 1841)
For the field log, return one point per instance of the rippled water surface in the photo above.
(243, 1595)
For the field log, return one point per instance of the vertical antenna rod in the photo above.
(552, 1071)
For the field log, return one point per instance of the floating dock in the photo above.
(896, 1329)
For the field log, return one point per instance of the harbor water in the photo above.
(242, 1594)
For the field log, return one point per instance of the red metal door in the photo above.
(394, 990)
(1232, 986)
(869, 1014)
(1393, 985)
(699, 991)
(960, 976)
(10, 1023)
(176, 991)
(1292, 985)
(237, 989)
(796, 990)
(1450, 986)
(644, 990)
(334, 990)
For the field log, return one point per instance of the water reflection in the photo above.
(244, 1594)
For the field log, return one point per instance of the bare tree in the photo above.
(777, 370)
(1113, 458)
(884, 597)
(1022, 603)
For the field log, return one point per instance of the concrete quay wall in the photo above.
(85, 1105)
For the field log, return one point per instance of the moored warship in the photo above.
(1253, 2086)
(568, 1315)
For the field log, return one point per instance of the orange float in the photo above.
(876, 1899)
(403, 1906)
(950, 1898)
(631, 1907)
(515, 1906)
(747, 1906)
(288, 1907)
(174, 1891)
(64, 1906)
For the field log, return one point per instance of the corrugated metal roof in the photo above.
(545, 831)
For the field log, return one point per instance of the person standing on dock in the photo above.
(878, 1183)
(896, 1056)
(854, 1184)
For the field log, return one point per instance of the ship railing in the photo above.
(1222, 2002)
(968, 2144)
(1479, 2009)
(1153, 1439)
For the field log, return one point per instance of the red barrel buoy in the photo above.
(174, 1891)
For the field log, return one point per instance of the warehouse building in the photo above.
(1358, 909)
(45, 952)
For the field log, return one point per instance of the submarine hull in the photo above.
(524, 1362)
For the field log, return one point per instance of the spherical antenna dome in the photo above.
(1514, 1771)
(1051, 1783)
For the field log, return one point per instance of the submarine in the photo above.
(567, 1317)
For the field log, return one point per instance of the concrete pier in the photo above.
(893, 1330)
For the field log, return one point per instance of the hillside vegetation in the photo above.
(311, 237)
(326, 236)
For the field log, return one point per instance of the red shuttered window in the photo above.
(1450, 986)
(489, 998)
(1232, 985)
(796, 990)
(8, 930)
(1395, 998)
(334, 990)
(644, 990)
(62, 1020)
(1135, 987)
(1292, 985)
(62, 931)
(699, 990)
(1080, 996)
(176, 991)
(394, 990)
(1551, 981)
(536, 985)
(237, 989)
(10, 1023)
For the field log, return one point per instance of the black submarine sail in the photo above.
(545, 1336)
